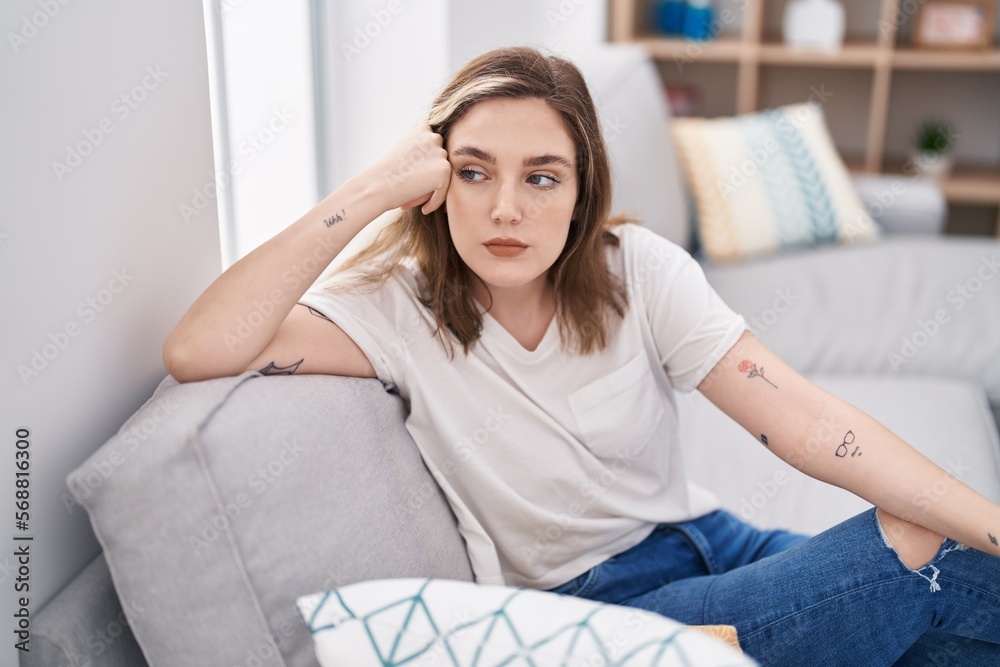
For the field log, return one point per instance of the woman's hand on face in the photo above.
(413, 172)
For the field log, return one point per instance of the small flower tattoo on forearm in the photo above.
(749, 367)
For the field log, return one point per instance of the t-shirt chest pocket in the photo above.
(619, 410)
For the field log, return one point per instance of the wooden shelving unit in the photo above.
(881, 56)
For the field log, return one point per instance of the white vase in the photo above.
(814, 24)
(931, 165)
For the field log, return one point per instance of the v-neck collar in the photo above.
(506, 340)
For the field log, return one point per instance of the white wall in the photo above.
(560, 26)
(270, 147)
(386, 60)
(108, 228)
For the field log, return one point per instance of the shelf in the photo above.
(723, 49)
(756, 56)
(971, 189)
(983, 60)
(966, 184)
(857, 54)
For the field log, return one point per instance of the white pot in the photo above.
(932, 165)
(814, 24)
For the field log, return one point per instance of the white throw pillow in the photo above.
(459, 623)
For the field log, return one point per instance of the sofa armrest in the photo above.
(903, 204)
(84, 626)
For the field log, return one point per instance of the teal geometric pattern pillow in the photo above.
(389, 622)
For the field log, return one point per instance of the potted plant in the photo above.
(933, 144)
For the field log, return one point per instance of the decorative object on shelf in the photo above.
(934, 141)
(684, 100)
(669, 16)
(698, 17)
(814, 24)
(954, 24)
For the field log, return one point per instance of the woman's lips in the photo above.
(505, 250)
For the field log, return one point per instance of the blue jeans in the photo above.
(842, 597)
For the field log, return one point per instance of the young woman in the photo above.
(536, 342)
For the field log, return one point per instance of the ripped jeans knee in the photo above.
(930, 569)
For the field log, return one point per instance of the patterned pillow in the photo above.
(458, 623)
(768, 181)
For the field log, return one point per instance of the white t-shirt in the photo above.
(551, 462)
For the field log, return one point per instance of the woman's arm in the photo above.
(232, 322)
(835, 442)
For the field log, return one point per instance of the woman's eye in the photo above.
(543, 181)
(469, 175)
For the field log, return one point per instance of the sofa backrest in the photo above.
(648, 181)
(220, 502)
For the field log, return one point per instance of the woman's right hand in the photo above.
(414, 171)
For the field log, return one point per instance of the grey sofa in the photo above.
(251, 491)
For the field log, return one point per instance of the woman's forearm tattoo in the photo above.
(747, 366)
(845, 446)
(335, 218)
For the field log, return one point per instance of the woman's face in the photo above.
(513, 178)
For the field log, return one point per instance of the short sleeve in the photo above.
(375, 320)
(691, 325)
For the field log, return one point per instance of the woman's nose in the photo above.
(506, 204)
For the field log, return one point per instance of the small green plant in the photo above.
(935, 136)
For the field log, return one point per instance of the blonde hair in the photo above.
(587, 292)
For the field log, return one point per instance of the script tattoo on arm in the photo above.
(335, 218)
(763, 438)
(844, 447)
(271, 369)
(319, 314)
(747, 366)
(992, 539)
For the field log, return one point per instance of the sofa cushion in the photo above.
(768, 181)
(947, 420)
(424, 621)
(84, 625)
(903, 306)
(239, 494)
(635, 119)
